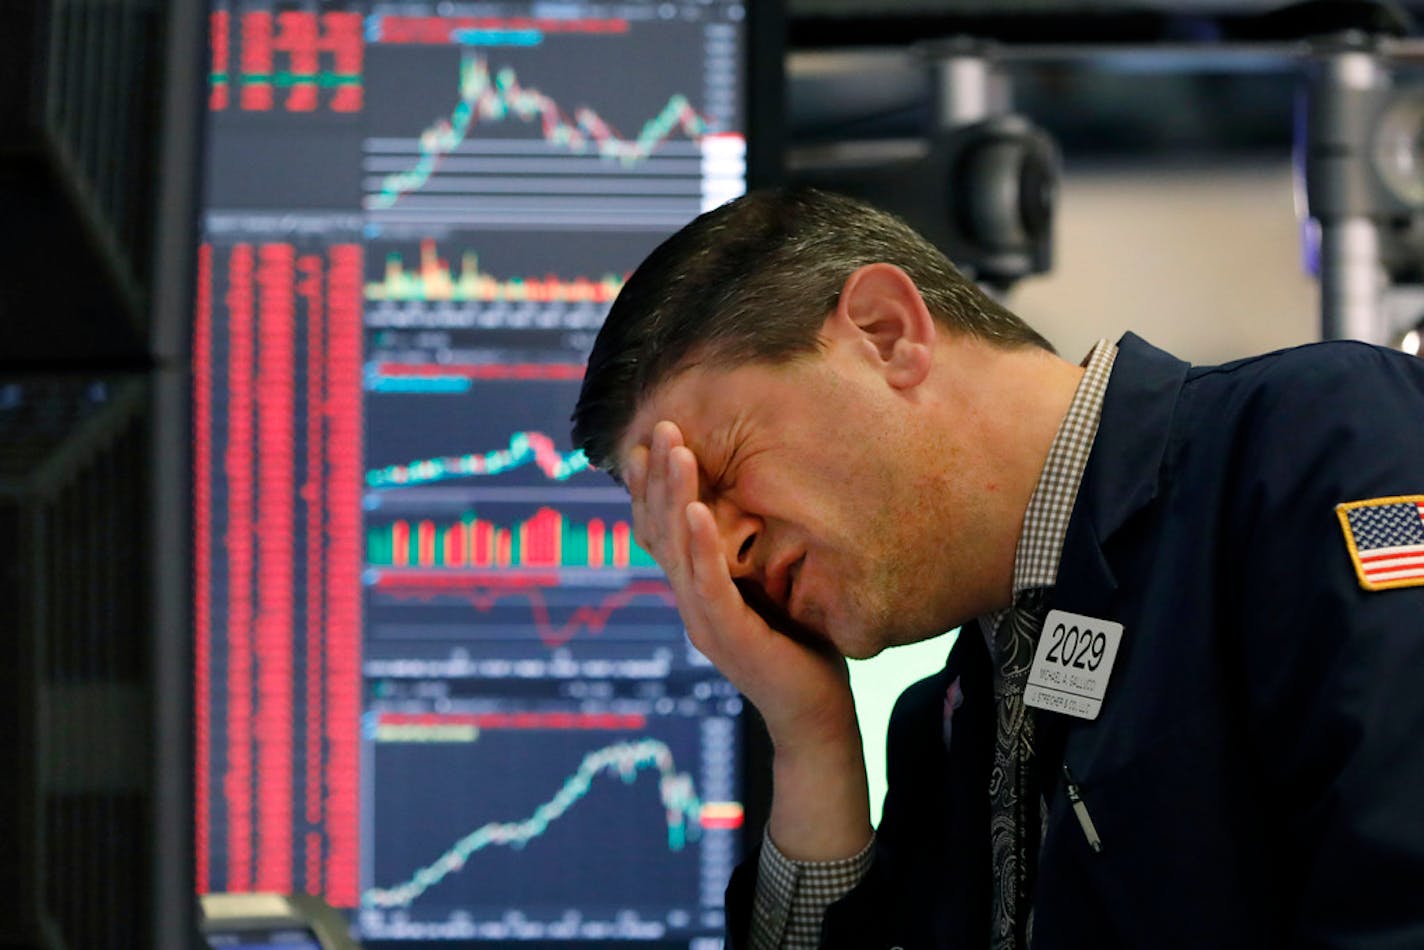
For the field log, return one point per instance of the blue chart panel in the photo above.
(518, 137)
(494, 434)
(613, 829)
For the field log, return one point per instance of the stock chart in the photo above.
(438, 682)
(534, 852)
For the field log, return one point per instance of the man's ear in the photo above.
(881, 313)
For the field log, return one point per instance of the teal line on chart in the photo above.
(625, 759)
(524, 448)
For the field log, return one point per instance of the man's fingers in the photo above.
(682, 479)
(662, 478)
(655, 489)
(710, 578)
(635, 476)
(666, 435)
(681, 489)
(721, 606)
(635, 473)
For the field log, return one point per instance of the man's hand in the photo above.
(802, 689)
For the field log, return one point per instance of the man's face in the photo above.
(832, 495)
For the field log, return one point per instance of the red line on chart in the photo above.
(592, 617)
(519, 720)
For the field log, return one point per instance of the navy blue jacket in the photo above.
(1256, 774)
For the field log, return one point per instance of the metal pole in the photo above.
(1352, 281)
(965, 81)
(1346, 85)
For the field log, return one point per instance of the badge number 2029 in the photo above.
(1072, 664)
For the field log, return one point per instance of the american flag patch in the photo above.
(1386, 540)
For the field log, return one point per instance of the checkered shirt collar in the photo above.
(1046, 520)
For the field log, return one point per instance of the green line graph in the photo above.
(624, 759)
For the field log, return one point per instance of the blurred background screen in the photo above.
(415, 219)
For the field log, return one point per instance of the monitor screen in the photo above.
(436, 680)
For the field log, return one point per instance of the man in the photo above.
(1187, 705)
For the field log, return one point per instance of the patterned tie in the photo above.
(1014, 790)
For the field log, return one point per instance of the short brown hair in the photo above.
(754, 280)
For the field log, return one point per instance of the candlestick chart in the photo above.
(494, 97)
(590, 157)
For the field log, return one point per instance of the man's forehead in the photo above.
(680, 399)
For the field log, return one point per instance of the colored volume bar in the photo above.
(681, 807)
(525, 448)
(495, 98)
(435, 281)
(547, 539)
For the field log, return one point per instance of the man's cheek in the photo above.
(772, 614)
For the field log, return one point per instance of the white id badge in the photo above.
(1072, 664)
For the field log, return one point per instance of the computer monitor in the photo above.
(436, 680)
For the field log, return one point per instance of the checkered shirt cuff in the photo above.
(792, 896)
